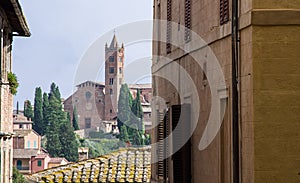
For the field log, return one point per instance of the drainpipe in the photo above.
(235, 98)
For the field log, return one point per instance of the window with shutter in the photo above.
(160, 149)
(187, 21)
(167, 144)
(181, 158)
(169, 26)
(224, 11)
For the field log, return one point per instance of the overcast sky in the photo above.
(63, 31)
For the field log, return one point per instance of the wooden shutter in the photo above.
(160, 150)
(169, 26)
(167, 145)
(187, 20)
(181, 158)
(224, 11)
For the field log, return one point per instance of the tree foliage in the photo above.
(68, 141)
(13, 83)
(75, 119)
(28, 112)
(130, 117)
(61, 140)
(38, 123)
(18, 177)
(45, 113)
(124, 106)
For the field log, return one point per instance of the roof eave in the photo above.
(22, 20)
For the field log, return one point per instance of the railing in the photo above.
(23, 167)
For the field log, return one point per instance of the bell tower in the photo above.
(114, 77)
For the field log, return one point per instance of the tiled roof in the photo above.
(25, 153)
(125, 165)
(57, 160)
(22, 133)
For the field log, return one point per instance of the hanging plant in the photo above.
(13, 83)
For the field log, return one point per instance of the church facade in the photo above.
(97, 102)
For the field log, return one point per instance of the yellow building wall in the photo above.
(276, 100)
(276, 4)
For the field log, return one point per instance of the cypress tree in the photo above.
(124, 106)
(38, 123)
(53, 145)
(124, 134)
(45, 113)
(137, 110)
(28, 112)
(68, 141)
(75, 119)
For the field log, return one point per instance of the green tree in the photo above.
(54, 90)
(53, 144)
(124, 106)
(68, 141)
(124, 134)
(137, 110)
(28, 112)
(45, 113)
(38, 123)
(61, 141)
(18, 177)
(75, 119)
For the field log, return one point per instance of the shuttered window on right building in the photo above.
(187, 21)
(224, 11)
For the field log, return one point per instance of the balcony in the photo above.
(23, 167)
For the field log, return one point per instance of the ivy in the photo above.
(13, 83)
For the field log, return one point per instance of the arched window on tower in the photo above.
(111, 59)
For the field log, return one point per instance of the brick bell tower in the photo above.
(114, 77)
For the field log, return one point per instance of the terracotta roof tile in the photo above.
(125, 165)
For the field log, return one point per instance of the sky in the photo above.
(67, 35)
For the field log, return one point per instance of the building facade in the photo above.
(268, 76)
(12, 23)
(28, 154)
(97, 102)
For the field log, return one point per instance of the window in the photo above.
(111, 91)
(111, 70)
(187, 21)
(169, 26)
(19, 164)
(87, 122)
(28, 144)
(120, 70)
(111, 81)
(21, 126)
(88, 95)
(34, 144)
(39, 163)
(224, 11)
(182, 157)
(111, 59)
(204, 71)
(110, 111)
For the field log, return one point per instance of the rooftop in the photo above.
(25, 153)
(125, 165)
(15, 16)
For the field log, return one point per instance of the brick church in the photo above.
(97, 102)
